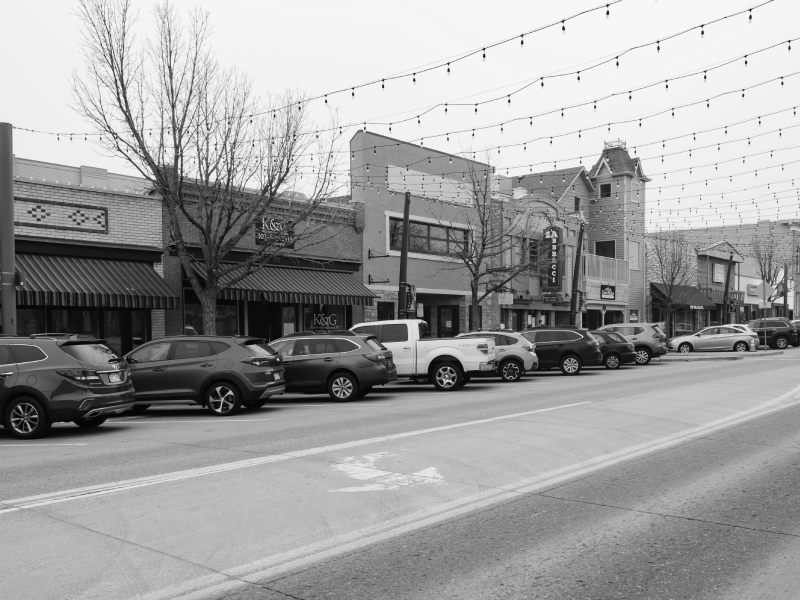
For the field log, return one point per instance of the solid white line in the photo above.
(299, 558)
(24, 445)
(9, 506)
(194, 422)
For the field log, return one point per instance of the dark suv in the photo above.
(222, 373)
(346, 365)
(569, 348)
(777, 332)
(60, 377)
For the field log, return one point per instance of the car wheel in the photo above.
(684, 348)
(139, 408)
(643, 356)
(364, 391)
(781, 342)
(447, 376)
(26, 419)
(570, 365)
(740, 347)
(223, 399)
(612, 361)
(90, 423)
(343, 387)
(510, 371)
(255, 405)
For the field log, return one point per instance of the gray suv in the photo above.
(514, 354)
(648, 339)
(221, 373)
(48, 378)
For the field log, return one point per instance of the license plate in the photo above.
(114, 378)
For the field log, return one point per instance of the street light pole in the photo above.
(402, 301)
(7, 258)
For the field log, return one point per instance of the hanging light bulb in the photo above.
(448, 68)
(484, 54)
(415, 78)
(521, 41)
(563, 28)
(702, 30)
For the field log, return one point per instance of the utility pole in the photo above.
(576, 275)
(725, 314)
(402, 302)
(786, 289)
(8, 277)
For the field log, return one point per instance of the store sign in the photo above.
(693, 307)
(273, 232)
(608, 292)
(552, 242)
(420, 310)
(411, 297)
(719, 273)
(323, 322)
(551, 298)
(634, 316)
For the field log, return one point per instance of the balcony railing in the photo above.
(717, 295)
(606, 270)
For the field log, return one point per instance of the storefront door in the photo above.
(448, 321)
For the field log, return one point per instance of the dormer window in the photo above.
(605, 190)
(577, 204)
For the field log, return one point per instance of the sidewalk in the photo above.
(698, 356)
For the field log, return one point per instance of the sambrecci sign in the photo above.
(552, 237)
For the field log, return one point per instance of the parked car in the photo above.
(347, 366)
(616, 349)
(221, 373)
(648, 339)
(515, 354)
(775, 332)
(447, 362)
(568, 348)
(715, 338)
(60, 377)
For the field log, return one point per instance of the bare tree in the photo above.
(222, 160)
(771, 257)
(674, 265)
(497, 247)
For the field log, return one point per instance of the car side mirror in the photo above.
(132, 361)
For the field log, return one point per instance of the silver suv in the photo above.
(648, 339)
(514, 353)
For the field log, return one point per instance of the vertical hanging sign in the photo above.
(552, 237)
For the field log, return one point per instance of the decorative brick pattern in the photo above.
(60, 215)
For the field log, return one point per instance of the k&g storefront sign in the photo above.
(274, 232)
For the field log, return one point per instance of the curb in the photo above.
(738, 356)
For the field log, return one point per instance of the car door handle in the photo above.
(207, 365)
(155, 370)
(329, 359)
(561, 345)
(6, 374)
(406, 347)
(287, 362)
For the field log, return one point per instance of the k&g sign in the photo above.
(552, 242)
(273, 232)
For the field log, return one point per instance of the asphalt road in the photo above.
(674, 480)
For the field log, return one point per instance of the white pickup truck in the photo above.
(447, 362)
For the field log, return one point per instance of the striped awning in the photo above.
(71, 281)
(308, 286)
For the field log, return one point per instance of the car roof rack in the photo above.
(333, 332)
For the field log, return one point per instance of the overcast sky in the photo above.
(324, 46)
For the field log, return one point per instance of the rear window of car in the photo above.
(572, 336)
(548, 336)
(776, 323)
(91, 353)
(530, 336)
(367, 330)
(25, 353)
(394, 333)
(375, 344)
(613, 336)
(258, 349)
(348, 346)
(220, 347)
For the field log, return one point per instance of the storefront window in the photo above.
(30, 321)
(323, 317)
(75, 320)
(226, 318)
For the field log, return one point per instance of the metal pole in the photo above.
(725, 315)
(576, 274)
(786, 289)
(8, 297)
(401, 292)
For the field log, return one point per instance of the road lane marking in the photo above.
(24, 445)
(9, 506)
(364, 469)
(194, 422)
(299, 558)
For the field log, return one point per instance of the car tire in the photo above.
(90, 423)
(364, 391)
(343, 387)
(447, 376)
(643, 356)
(26, 419)
(223, 399)
(510, 371)
(781, 342)
(612, 361)
(139, 408)
(255, 405)
(571, 365)
(741, 347)
(684, 348)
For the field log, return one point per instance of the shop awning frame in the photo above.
(692, 295)
(92, 282)
(297, 285)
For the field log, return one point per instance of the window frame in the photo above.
(27, 362)
(148, 345)
(396, 227)
(601, 188)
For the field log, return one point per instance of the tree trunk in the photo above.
(476, 312)
(208, 301)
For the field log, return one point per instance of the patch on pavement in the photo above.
(363, 469)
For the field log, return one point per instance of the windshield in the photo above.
(91, 353)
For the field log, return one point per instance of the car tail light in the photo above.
(374, 357)
(529, 347)
(483, 347)
(261, 361)
(82, 375)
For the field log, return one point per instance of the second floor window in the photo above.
(605, 190)
(533, 254)
(425, 238)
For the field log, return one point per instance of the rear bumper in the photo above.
(108, 410)
(81, 402)
(660, 350)
(484, 367)
(628, 357)
(273, 389)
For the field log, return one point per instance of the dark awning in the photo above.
(71, 281)
(683, 296)
(309, 286)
